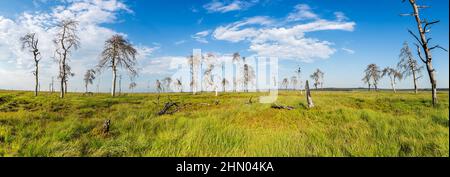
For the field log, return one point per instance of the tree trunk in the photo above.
(37, 79)
(432, 74)
(113, 90)
(234, 77)
(65, 87)
(393, 85)
(428, 57)
(308, 95)
(63, 77)
(415, 82)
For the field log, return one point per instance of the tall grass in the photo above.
(342, 124)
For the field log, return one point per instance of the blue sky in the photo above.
(361, 33)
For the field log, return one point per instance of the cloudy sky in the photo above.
(340, 38)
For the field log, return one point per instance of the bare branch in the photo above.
(439, 47)
(415, 36)
(428, 24)
(419, 53)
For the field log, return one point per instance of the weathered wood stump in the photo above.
(106, 126)
(308, 95)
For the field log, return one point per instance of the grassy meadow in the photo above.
(343, 123)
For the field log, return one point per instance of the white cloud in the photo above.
(228, 6)
(234, 33)
(161, 65)
(287, 39)
(180, 42)
(91, 14)
(302, 12)
(349, 51)
(200, 36)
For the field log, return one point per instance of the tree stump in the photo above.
(106, 126)
(308, 95)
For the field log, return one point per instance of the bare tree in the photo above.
(166, 83)
(408, 65)
(179, 85)
(193, 65)
(373, 73)
(158, 86)
(30, 41)
(224, 84)
(285, 83)
(424, 27)
(294, 82)
(236, 60)
(132, 86)
(299, 72)
(249, 76)
(394, 75)
(317, 76)
(366, 80)
(118, 52)
(89, 77)
(52, 86)
(68, 74)
(66, 40)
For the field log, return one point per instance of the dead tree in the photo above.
(308, 95)
(276, 106)
(30, 41)
(167, 109)
(423, 42)
(317, 76)
(394, 75)
(66, 40)
(373, 73)
(408, 65)
(118, 52)
(89, 77)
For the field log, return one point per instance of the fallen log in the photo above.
(276, 106)
(167, 108)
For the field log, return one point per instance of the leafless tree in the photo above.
(167, 82)
(224, 84)
(179, 85)
(374, 74)
(132, 86)
(317, 76)
(158, 86)
(208, 76)
(408, 65)
(30, 42)
(366, 80)
(299, 72)
(394, 76)
(118, 52)
(52, 88)
(66, 40)
(236, 60)
(68, 74)
(193, 65)
(285, 83)
(294, 82)
(424, 27)
(249, 76)
(89, 78)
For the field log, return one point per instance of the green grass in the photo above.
(342, 124)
